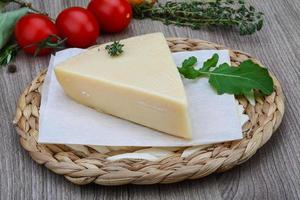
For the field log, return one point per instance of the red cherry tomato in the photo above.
(112, 15)
(33, 28)
(79, 26)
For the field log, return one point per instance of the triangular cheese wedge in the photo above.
(141, 85)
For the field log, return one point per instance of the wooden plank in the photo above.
(273, 173)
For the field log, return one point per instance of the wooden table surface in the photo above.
(272, 173)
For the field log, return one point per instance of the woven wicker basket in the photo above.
(84, 164)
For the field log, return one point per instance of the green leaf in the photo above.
(187, 68)
(210, 63)
(7, 23)
(231, 80)
(242, 79)
(191, 61)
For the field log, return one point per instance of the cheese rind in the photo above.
(141, 85)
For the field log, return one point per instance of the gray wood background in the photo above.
(273, 173)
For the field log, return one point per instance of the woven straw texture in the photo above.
(87, 164)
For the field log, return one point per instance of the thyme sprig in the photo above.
(196, 14)
(115, 48)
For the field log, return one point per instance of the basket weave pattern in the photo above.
(83, 165)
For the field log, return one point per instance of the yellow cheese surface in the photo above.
(141, 85)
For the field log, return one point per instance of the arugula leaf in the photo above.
(242, 79)
(210, 63)
(187, 68)
(228, 79)
(191, 61)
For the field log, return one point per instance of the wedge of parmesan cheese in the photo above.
(141, 85)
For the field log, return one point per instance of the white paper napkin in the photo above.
(214, 118)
